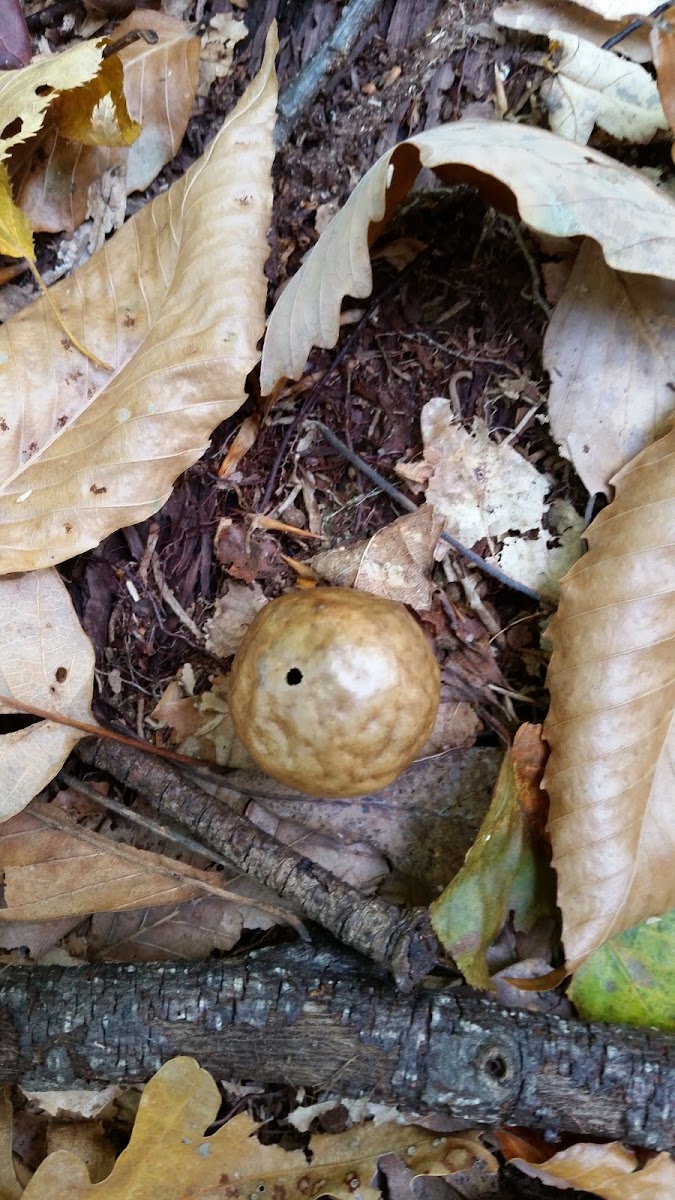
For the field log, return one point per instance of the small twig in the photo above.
(100, 731)
(149, 36)
(329, 58)
(633, 27)
(402, 941)
(186, 842)
(175, 606)
(532, 266)
(410, 506)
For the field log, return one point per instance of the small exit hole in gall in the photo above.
(294, 676)
(61, 674)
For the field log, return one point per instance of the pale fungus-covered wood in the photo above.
(334, 691)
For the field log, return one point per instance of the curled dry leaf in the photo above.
(610, 1171)
(610, 352)
(592, 87)
(556, 186)
(541, 16)
(46, 660)
(169, 1157)
(175, 302)
(610, 724)
(52, 174)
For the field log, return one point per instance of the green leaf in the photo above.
(631, 979)
(506, 870)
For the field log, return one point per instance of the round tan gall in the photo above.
(334, 691)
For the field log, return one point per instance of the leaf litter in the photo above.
(433, 615)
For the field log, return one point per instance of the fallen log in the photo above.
(326, 1019)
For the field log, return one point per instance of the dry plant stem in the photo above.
(99, 731)
(410, 505)
(401, 941)
(319, 1017)
(329, 58)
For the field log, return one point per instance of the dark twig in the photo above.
(329, 58)
(401, 941)
(407, 503)
(633, 27)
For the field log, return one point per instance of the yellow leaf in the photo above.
(556, 186)
(26, 94)
(52, 175)
(96, 114)
(16, 235)
(610, 725)
(175, 301)
(169, 1158)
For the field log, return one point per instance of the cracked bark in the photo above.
(322, 1018)
(401, 940)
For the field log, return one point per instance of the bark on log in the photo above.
(325, 1019)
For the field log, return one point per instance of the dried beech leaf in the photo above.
(592, 87)
(170, 1158)
(57, 872)
(610, 1171)
(174, 300)
(46, 660)
(540, 16)
(557, 187)
(610, 352)
(610, 724)
(52, 174)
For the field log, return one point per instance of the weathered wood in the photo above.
(325, 1019)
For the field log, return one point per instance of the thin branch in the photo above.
(405, 502)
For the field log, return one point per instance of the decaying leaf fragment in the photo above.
(611, 726)
(175, 301)
(170, 1158)
(46, 660)
(540, 16)
(592, 86)
(556, 186)
(610, 352)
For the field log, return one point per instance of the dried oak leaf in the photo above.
(175, 302)
(170, 1158)
(610, 1171)
(52, 174)
(557, 187)
(610, 725)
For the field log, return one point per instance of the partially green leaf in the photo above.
(631, 979)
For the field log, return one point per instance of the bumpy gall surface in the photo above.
(334, 691)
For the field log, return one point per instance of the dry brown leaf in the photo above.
(591, 86)
(222, 35)
(356, 863)
(610, 1171)
(234, 610)
(170, 1158)
(395, 563)
(540, 16)
(46, 660)
(175, 302)
(10, 1188)
(558, 188)
(187, 931)
(610, 352)
(52, 174)
(55, 868)
(610, 724)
